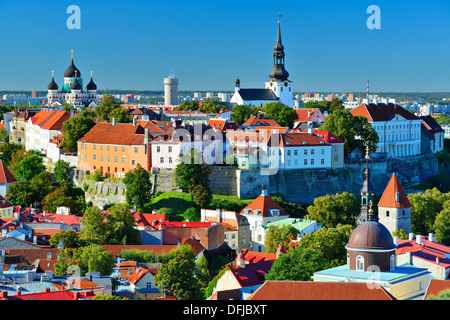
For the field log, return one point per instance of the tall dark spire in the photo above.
(366, 194)
(278, 72)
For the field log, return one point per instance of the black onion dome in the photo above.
(75, 85)
(52, 85)
(71, 70)
(91, 85)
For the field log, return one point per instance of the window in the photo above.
(170, 159)
(170, 148)
(115, 159)
(123, 149)
(86, 157)
(312, 151)
(295, 152)
(348, 261)
(312, 161)
(161, 160)
(132, 162)
(101, 158)
(101, 147)
(94, 156)
(115, 148)
(305, 152)
(305, 162)
(94, 146)
(295, 162)
(289, 152)
(49, 255)
(387, 213)
(359, 263)
(135, 149)
(107, 148)
(392, 262)
(149, 285)
(322, 151)
(123, 159)
(158, 148)
(109, 158)
(322, 161)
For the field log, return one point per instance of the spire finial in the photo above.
(71, 54)
(53, 74)
(76, 74)
(91, 74)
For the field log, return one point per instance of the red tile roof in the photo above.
(394, 196)
(298, 139)
(252, 274)
(5, 203)
(5, 175)
(436, 286)
(55, 122)
(429, 251)
(261, 206)
(305, 115)
(382, 112)
(53, 295)
(327, 136)
(255, 121)
(139, 273)
(118, 134)
(311, 290)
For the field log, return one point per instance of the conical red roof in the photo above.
(5, 175)
(394, 196)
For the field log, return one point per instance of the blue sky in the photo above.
(133, 44)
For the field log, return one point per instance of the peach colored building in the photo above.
(116, 148)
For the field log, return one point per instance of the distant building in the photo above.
(399, 130)
(171, 90)
(432, 135)
(6, 178)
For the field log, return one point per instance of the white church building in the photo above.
(277, 89)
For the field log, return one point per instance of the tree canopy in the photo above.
(282, 114)
(73, 130)
(138, 186)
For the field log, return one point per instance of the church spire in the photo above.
(278, 72)
(366, 193)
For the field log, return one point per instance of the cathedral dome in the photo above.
(52, 85)
(371, 235)
(75, 85)
(91, 85)
(72, 70)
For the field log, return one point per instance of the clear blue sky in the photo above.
(133, 44)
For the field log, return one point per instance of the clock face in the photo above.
(271, 83)
(285, 84)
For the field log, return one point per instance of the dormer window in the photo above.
(275, 212)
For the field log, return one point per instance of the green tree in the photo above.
(93, 258)
(73, 130)
(62, 197)
(191, 172)
(121, 114)
(211, 106)
(424, 209)
(276, 236)
(331, 210)
(42, 185)
(192, 214)
(178, 276)
(120, 227)
(202, 270)
(106, 106)
(298, 264)
(138, 186)
(442, 224)
(70, 239)
(401, 234)
(20, 193)
(62, 171)
(7, 150)
(94, 228)
(282, 114)
(170, 214)
(108, 297)
(30, 167)
(331, 242)
(241, 113)
(202, 195)
(192, 105)
(354, 131)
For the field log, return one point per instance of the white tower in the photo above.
(279, 83)
(171, 90)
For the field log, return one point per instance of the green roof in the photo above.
(299, 224)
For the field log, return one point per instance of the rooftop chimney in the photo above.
(411, 236)
(419, 239)
(396, 241)
(431, 237)
(114, 121)
(134, 120)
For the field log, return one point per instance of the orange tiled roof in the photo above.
(311, 290)
(390, 199)
(305, 115)
(118, 134)
(436, 286)
(261, 206)
(55, 122)
(382, 112)
(254, 120)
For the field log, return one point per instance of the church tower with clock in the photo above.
(279, 82)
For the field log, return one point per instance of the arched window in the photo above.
(348, 261)
(392, 262)
(359, 263)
